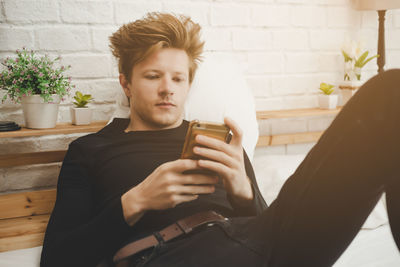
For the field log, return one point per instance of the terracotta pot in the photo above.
(38, 114)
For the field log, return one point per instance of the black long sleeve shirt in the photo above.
(87, 222)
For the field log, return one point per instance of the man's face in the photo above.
(158, 90)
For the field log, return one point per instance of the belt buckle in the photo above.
(216, 222)
(210, 224)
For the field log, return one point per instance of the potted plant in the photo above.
(37, 84)
(326, 99)
(354, 61)
(81, 114)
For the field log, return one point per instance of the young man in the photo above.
(125, 198)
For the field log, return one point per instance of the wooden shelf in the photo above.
(293, 113)
(68, 128)
(288, 139)
(62, 128)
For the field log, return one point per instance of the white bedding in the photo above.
(372, 247)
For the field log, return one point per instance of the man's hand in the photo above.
(227, 161)
(166, 187)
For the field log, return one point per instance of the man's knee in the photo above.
(390, 80)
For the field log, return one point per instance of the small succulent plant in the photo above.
(326, 88)
(82, 100)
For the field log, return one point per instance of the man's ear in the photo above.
(124, 84)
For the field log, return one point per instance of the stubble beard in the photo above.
(159, 121)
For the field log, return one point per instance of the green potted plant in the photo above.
(37, 84)
(81, 114)
(326, 99)
(354, 60)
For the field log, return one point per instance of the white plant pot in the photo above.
(38, 114)
(328, 101)
(348, 89)
(81, 116)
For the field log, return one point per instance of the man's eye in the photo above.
(151, 77)
(179, 79)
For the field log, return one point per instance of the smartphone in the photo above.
(215, 130)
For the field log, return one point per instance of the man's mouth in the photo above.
(165, 104)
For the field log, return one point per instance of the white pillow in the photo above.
(273, 170)
(219, 89)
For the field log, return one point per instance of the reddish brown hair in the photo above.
(134, 41)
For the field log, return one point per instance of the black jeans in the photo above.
(323, 205)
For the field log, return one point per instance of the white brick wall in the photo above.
(15, 37)
(251, 39)
(309, 16)
(264, 63)
(220, 39)
(291, 40)
(127, 11)
(31, 11)
(230, 14)
(286, 47)
(88, 65)
(285, 37)
(87, 12)
(271, 16)
(62, 38)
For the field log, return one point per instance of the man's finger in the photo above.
(198, 178)
(181, 165)
(214, 144)
(185, 198)
(236, 131)
(221, 169)
(215, 155)
(196, 189)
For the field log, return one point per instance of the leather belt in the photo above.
(183, 226)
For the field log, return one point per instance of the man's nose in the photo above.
(166, 86)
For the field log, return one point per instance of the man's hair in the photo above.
(135, 41)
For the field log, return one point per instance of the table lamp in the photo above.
(381, 6)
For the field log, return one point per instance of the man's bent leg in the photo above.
(324, 203)
(393, 207)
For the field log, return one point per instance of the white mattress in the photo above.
(371, 248)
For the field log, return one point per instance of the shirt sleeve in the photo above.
(76, 235)
(258, 205)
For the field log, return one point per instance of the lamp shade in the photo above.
(375, 4)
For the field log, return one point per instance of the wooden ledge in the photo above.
(288, 139)
(62, 128)
(22, 159)
(68, 128)
(295, 113)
